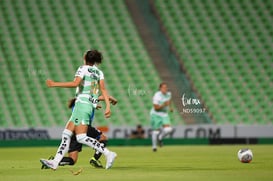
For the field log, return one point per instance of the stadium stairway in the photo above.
(163, 59)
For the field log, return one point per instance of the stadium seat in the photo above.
(47, 40)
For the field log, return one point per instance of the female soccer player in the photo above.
(88, 80)
(159, 115)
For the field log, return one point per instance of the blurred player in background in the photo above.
(89, 80)
(160, 120)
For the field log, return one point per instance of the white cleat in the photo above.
(49, 163)
(110, 158)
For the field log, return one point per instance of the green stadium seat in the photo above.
(49, 42)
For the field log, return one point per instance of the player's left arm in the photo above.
(112, 100)
(104, 93)
(171, 105)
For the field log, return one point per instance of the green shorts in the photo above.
(158, 121)
(81, 113)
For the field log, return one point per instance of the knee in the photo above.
(80, 138)
(103, 138)
(155, 132)
(67, 132)
(168, 129)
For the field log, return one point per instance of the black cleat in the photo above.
(95, 163)
(160, 143)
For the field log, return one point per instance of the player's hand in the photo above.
(167, 103)
(107, 113)
(113, 101)
(49, 83)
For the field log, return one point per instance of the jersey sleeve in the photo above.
(80, 72)
(170, 95)
(101, 75)
(156, 99)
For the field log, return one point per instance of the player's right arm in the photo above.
(158, 107)
(75, 83)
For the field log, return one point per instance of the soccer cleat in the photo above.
(95, 163)
(110, 158)
(154, 149)
(49, 163)
(44, 166)
(160, 143)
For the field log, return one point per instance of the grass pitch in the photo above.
(170, 163)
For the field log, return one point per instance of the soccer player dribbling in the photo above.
(159, 118)
(89, 80)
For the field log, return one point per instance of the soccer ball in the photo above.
(245, 155)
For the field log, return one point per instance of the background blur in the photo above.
(216, 56)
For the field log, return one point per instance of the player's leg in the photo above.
(98, 135)
(155, 124)
(63, 148)
(155, 134)
(65, 160)
(91, 142)
(73, 152)
(74, 147)
(166, 130)
(103, 140)
(69, 160)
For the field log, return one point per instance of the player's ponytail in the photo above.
(71, 103)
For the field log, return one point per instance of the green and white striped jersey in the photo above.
(159, 99)
(89, 86)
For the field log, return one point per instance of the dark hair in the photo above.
(71, 103)
(93, 56)
(161, 84)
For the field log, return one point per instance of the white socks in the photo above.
(64, 146)
(154, 138)
(165, 131)
(91, 142)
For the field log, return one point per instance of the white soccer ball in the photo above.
(245, 155)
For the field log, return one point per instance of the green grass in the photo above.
(183, 163)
